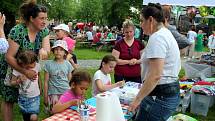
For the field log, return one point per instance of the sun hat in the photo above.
(62, 27)
(60, 43)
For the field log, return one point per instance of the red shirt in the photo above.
(127, 53)
(97, 37)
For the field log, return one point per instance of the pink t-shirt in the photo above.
(68, 96)
(70, 43)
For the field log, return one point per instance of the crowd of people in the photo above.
(97, 35)
(156, 64)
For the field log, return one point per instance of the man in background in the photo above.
(182, 40)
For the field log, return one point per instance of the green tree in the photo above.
(90, 11)
(116, 11)
(110, 12)
(138, 4)
(10, 10)
(8, 6)
(60, 10)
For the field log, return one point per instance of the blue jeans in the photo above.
(159, 108)
(29, 105)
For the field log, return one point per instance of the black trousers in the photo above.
(118, 78)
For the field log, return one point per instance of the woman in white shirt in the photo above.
(211, 42)
(159, 94)
(191, 35)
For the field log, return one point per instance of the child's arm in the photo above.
(69, 76)
(46, 78)
(59, 107)
(69, 58)
(74, 65)
(102, 88)
(40, 83)
(15, 80)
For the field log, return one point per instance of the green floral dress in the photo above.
(19, 34)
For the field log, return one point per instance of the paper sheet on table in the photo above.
(119, 91)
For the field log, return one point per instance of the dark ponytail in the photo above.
(154, 10)
(106, 59)
(30, 8)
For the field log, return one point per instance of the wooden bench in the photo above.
(84, 43)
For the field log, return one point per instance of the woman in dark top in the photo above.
(128, 51)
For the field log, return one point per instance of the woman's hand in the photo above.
(30, 74)
(121, 83)
(133, 61)
(133, 106)
(43, 54)
(22, 78)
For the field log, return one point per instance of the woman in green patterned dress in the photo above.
(31, 34)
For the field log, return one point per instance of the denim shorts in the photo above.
(29, 105)
(158, 108)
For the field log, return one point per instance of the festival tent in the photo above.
(182, 2)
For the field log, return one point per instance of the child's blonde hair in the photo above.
(128, 23)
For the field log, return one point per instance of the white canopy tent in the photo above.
(182, 2)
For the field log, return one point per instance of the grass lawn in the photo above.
(83, 53)
(90, 53)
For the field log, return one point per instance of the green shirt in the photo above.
(19, 34)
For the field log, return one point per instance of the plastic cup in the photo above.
(84, 113)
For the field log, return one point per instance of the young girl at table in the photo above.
(79, 84)
(57, 75)
(102, 79)
(29, 91)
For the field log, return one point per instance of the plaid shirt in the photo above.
(3, 45)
